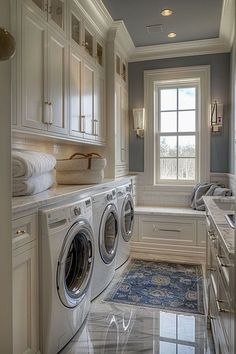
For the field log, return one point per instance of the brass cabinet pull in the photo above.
(218, 302)
(82, 129)
(169, 230)
(20, 232)
(50, 113)
(225, 265)
(211, 269)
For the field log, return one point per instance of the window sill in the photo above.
(167, 188)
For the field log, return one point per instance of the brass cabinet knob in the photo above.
(7, 45)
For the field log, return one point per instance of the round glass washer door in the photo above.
(127, 218)
(108, 233)
(75, 264)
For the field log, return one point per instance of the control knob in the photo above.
(109, 197)
(77, 211)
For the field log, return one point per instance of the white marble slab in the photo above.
(62, 192)
(226, 233)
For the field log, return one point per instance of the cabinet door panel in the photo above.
(88, 100)
(33, 71)
(118, 123)
(100, 114)
(25, 301)
(57, 84)
(75, 95)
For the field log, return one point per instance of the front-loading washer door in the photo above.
(127, 218)
(108, 233)
(75, 264)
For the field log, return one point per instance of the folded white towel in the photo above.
(31, 163)
(32, 185)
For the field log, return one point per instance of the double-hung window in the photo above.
(176, 116)
(177, 127)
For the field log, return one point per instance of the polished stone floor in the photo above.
(113, 328)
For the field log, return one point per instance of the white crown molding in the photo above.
(119, 33)
(97, 13)
(180, 49)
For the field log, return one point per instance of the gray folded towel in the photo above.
(207, 189)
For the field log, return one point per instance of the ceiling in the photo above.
(191, 20)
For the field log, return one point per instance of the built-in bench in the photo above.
(171, 233)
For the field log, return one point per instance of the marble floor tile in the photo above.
(113, 328)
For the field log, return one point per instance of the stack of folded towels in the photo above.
(32, 172)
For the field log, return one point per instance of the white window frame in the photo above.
(165, 85)
(175, 75)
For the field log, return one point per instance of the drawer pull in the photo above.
(225, 265)
(211, 269)
(20, 232)
(169, 230)
(218, 302)
(211, 235)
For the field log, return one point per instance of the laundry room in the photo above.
(118, 186)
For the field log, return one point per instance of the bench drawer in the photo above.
(167, 230)
(24, 230)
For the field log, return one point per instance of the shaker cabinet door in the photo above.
(33, 65)
(76, 127)
(57, 83)
(88, 101)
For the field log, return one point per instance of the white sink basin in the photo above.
(225, 204)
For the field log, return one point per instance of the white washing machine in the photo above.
(125, 206)
(106, 224)
(66, 265)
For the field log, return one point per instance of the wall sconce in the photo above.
(7, 45)
(216, 116)
(138, 114)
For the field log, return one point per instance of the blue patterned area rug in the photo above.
(176, 287)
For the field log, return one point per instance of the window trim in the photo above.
(175, 85)
(175, 74)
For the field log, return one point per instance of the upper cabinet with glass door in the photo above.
(121, 68)
(83, 36)
(54, 11)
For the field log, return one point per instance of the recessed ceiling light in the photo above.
(172, 35)
(166, 12)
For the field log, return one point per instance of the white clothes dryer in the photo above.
(66, 264)
(125, 206)
(105, 218)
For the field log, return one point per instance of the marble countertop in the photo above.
(59, 193)
(217, 214)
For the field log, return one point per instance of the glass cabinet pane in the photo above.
(99, 54)
(88, 42)
(39, 3)
(118, 65)
(75, 29)
(57, 12)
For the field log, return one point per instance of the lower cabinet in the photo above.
(25, 290)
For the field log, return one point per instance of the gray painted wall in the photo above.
(220, 90)
(232, 164)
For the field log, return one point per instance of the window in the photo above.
(177, 128)
(176, 117)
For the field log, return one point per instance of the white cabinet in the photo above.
(59, 94)
(57, 83)
(87, 96)
(25, 286)
(33, 65)
(44, 79)
(52, 11)
(122, 129)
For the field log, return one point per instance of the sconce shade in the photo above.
(138, 114)
(7, 45)
(216, 116)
